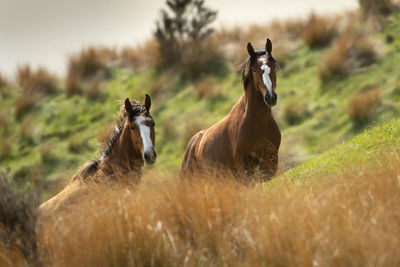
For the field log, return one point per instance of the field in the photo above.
(334, 201)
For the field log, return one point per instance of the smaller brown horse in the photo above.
(131, 144)
(247, 140)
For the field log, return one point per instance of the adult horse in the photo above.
(128, 147)
(247, 140)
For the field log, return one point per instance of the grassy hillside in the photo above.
(370, 149)
(51, 140)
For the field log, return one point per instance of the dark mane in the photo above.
(137, 109)
(245, 68)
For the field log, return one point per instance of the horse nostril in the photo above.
(150, 156)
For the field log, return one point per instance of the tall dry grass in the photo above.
(38, 81)
(142, 56)
(363, 105)
(351, 220)
(352, 50)
(18, 214)
(3, 81)
(33, 85)
(319, 31)
(91, 65)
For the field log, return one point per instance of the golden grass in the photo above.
(348, 220)
(363, 105)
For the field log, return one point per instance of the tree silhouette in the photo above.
(184, 24)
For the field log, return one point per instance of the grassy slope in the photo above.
(366, 149)
(63, 130)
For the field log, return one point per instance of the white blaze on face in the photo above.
(144, 133)
(266, 71)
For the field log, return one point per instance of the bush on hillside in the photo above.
(319, 31)
(351, 51)
(362, 106)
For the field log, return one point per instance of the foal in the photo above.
(131, 144)
(247, 140)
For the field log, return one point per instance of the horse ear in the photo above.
(250, 50)
(128, 105)
(268, 46)
(147, 102)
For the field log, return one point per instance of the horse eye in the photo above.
(132, 128)
(154, 123)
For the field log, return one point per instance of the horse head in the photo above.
(141, 127)
(262, 71)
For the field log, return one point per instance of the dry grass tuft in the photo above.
(93, 88)
(347, 220)
(319, 31)
(34, 85)
(24, 104)
(3, 81)
(39, 82)
(351, 51)
(6, 144)
(363, 106)
(26, 129)
(72, 85)
(206, 89)
(90, 61)
(90, 64)
(141, 57)
(294, 112)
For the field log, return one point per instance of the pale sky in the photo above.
(44, 32)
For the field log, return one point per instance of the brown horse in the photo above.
(131, 144)
(247, 140)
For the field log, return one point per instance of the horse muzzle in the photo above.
(271, 100)
(150, 156)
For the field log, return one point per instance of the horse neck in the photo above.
(254, 105)
(124, 157)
